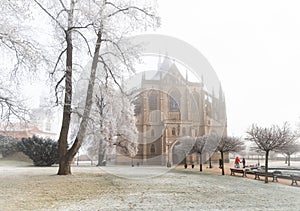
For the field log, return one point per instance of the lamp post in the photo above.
(168, 162)
(258, 152)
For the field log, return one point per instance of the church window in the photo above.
(174, 101)
(195, 102)
(152, 149)
(173, 131)
(153, 101)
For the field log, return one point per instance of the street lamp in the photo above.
(168, 162)
(258, 152)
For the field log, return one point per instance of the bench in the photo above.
(269, 174)
(295, 179)
(240, 171)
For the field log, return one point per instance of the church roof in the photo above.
(167, 67)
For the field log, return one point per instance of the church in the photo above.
(168, 108)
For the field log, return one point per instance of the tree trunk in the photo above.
(101, 154)
(266, 167)
(286, 158)
(70, 154)
(289, 160)
(200, 161)
(64, 165)
(88, 101)
(210, 166)
(222, 158)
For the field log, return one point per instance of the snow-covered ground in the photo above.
(138, 188)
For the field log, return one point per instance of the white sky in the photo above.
(254, 47)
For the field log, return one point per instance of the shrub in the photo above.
(43, 152)
(8, 145)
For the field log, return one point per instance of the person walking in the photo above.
(244, 162)
(237, 162)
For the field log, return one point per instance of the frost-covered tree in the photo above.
(183, 147)
(270, 139)
(289, 150)
(20, 55)
(19, 48)
(101, 26)
(127, 133)
(229, 144)
(205, 144)
(113, 124)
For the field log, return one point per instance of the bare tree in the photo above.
(183, 147)
(199, 148)
(288, 150)
(271, 139)
(205, 144)
(229, 144)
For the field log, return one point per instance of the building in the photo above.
(42, 123)
(169, 107)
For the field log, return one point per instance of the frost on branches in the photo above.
(111, 127)
(20, 55)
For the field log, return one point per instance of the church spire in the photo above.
(220, 92)
(186, 75)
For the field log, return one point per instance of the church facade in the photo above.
(170, 108)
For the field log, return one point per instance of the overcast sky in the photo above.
(254, 47)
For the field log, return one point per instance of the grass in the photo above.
(43, 189)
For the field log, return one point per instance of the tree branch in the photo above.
(123, 10)
(50, 15)
(56, 87)
(86, 42)
(58, 59)
(107, 68)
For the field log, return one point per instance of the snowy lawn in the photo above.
(139, 188)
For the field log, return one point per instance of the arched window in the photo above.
(173, 131)
(195, 102)
(152, 149)
(153, 101)
(174, 101)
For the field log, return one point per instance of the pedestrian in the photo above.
(244, 162)
(237, 162)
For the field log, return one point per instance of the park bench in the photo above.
(295, 178)
(269, 174)
(240, 171)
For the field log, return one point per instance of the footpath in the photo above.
(216, 170)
